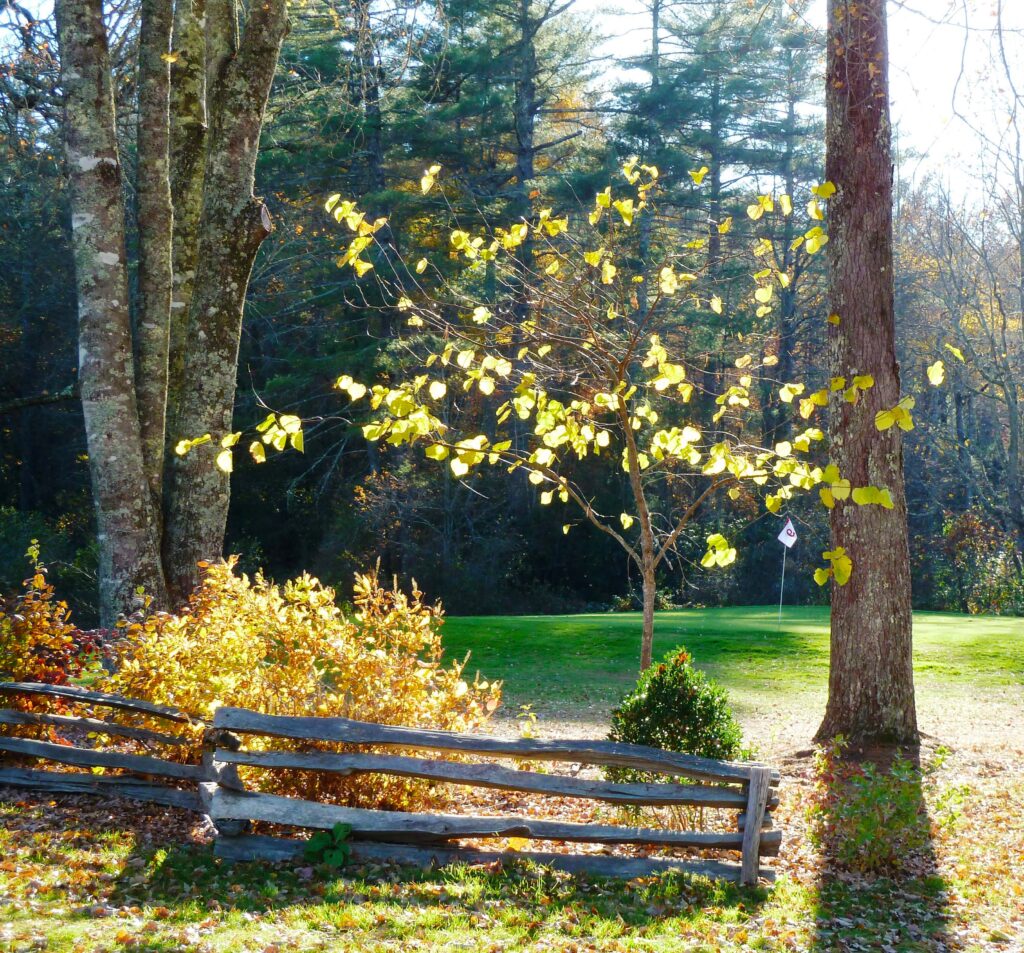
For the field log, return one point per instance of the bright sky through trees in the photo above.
(947, 79)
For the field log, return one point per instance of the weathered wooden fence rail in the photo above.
(749, 789)
(85, 756)
(214, 787)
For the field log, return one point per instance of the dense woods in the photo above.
(523, 109)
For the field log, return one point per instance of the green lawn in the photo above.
(586, 662)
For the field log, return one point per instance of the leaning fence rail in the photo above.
(213, 786)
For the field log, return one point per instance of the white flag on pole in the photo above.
(788, 535)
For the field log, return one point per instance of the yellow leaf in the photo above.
(608, 271)
(626, 520)
(716, 304)
(936, 373)
(625, 209)
(225, 461)
(833, 319)
(955, 351)
(258, 452)
(825, 191)
(421, 266)
(437, 389)
(171, 57)
(786, 203)
(698, 174)
(764, 294)
(724, 226)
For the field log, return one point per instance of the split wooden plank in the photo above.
(88, 757)
(493, 776)
(74, 693)
(10, 716)
(349, 731)
(257, 847)
(398, 826)
(757, 797)
(62, 782)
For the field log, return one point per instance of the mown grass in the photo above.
(586, 662)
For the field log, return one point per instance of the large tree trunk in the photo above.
(234, 223)
(125, 515)
(871, 681)
(153, 187)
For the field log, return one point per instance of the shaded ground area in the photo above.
(77, 875)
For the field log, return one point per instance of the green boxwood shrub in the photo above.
(676, 707)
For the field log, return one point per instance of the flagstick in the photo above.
(782, 584)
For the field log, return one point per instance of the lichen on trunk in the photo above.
(125, 514)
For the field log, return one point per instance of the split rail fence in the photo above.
(423, 839)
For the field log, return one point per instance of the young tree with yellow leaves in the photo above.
(591, 372)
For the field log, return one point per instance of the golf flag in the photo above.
(788, 535)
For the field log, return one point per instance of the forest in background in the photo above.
(513, 101)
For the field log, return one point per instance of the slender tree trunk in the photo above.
(525, 116)
(187, 153)
(234, 224)
(125, 516)
(871, 679)
(650, 590)
(153, 186)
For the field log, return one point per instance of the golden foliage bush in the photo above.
(290, 650)
(38, 642)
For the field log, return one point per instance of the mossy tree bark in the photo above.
(155, 224)
(232, 226)
(126, 517)
(187, 152)
(199, 130)
(871, 682)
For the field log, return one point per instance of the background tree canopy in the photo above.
(521, 106)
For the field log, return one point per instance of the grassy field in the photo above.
(584, 663)
(78, 875)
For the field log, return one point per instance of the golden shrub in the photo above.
(290, 650)
(38, 642)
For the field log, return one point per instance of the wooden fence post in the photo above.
(757, 801)
(226, 775)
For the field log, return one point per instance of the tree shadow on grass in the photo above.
(880, 887)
